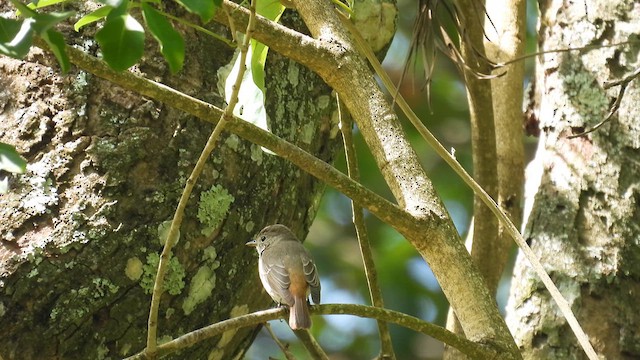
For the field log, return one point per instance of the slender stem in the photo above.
(346, 125)
(186, 193)
(309, 342)
(282, 347)
(483, 140)
(199, 28)
(503, 43)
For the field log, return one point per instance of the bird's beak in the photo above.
(252, 243)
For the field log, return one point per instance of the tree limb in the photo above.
(470, 348)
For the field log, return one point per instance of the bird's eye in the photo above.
(263, 238)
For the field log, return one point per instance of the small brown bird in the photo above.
(287, 272)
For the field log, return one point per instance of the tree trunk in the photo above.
(583, 193)
(80, 230)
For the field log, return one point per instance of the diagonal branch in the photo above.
(377, 205)
(309, 342)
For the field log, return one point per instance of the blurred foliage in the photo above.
(407, 283)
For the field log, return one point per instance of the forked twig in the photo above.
(284, 348)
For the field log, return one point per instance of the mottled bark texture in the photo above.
(583, 193)
(80, 230)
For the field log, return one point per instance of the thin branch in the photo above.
(583, 339)
(282, 347)
(468, 347)
(184, 198)
(309, 342)
(483, 140)
(230, 43)
(346, 126)
(624, 82)
(506, 29)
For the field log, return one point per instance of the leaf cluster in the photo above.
(120, 37)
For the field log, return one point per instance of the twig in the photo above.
(624, 82)
(179, 213)
(346, 125)
(468, 347)
(230, 43)
(311, 344)
(562, 303)
(282, 347)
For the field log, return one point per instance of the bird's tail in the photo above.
(299, 314)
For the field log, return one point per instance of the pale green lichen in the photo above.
(323, 101)
(102, 287)
(209, 253)
(293, 73)
(249, 226)
(42, 193)
(102, 350)
(308, 132)
(170, 311)
(32, 273)
(133, 269)
(174, 277)
(76, 304)
(232, 142)
(200, 288)
(203, 282)
(213, 207)
(256, 154)
(80, 81)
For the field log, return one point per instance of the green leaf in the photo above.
(92, 17)
(44, 3)
(15, 37)
(203, 8)
(272, 10)
(23, 10)
(10, 160)
(56, 43)
(122, 41)
(250, 106)
(171, 42)
(46, 21)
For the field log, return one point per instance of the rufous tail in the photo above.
(299, 314)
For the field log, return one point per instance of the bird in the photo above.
(287, 272)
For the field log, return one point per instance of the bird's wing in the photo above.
(279, 281)
(311, 275)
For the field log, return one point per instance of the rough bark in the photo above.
(583, 193)
(80, 229)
